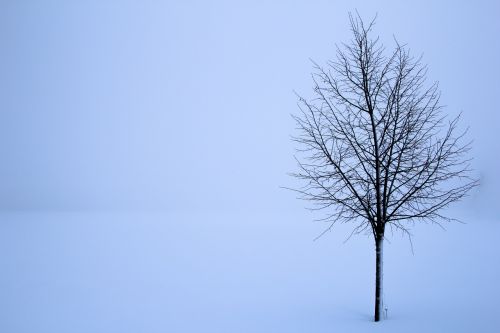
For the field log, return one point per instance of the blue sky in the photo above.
(113, 105)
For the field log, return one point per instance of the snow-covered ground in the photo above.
(238, 272)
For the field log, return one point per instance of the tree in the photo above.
(374, 148)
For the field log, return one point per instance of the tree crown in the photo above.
(374, 146)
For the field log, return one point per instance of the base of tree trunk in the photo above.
(379, 250)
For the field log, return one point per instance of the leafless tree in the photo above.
(374, 148)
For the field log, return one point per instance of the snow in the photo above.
(239, 272)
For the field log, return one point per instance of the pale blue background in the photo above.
(142, 149)
(185, 105)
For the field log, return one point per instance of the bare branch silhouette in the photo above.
(374, 148)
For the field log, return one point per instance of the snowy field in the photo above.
(238, 272)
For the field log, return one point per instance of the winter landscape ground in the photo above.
(238, 272)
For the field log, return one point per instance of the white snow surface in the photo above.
(239, 272)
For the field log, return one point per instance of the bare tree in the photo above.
(375, 149)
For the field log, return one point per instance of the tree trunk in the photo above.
(379, 248)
